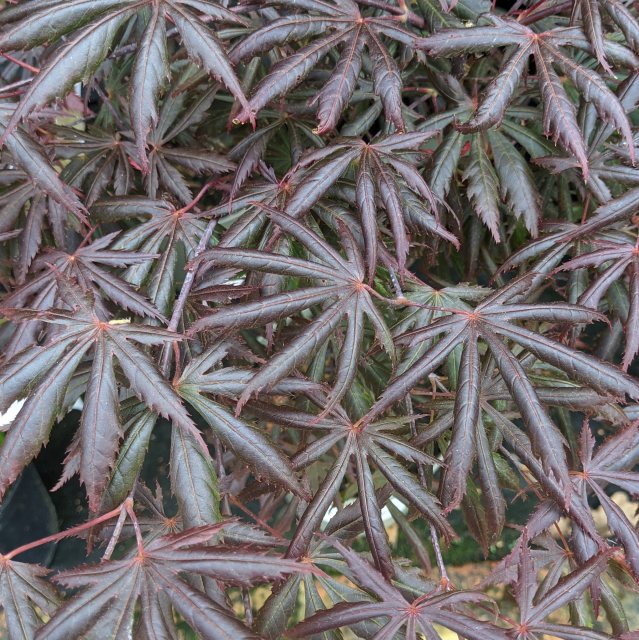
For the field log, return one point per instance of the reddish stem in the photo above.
(115, 536)
(128, 505)
(197, 198)
(87, 237)
(446, 584)
(20, 63)
(64, 534)
(256, 518)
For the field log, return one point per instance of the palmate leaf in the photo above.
(95, 160)
(294, 271)
(44, 373)
(99, 160)
(196, 386)
(376, 443)
(560, 116)
(617, 255)
(170, 166)
(279, 132)
(614, 257)
(603, 466)
(173, 167)
(610, 163)
(444, 609)
(495, 168)
(332, 25)
(274, 617)
(110, 591)
(39, 195)
(93, 27)
(86, 266)
(23, 591)
(493, 321)
(167, 231)
(491, 476)
(193, 479)
(340, 290)
(384, 176)
(607, 215)
(480, 460)
(535, 604)
(551, 509)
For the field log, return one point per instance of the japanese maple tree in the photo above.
(301, 299)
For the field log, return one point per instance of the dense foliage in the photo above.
(280, 278)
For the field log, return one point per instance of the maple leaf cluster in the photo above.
(295, 294)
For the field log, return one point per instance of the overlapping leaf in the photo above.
(383, 178)
(43, 374)
(166, 232)
(494, 322)
(443, 609)
(25, 595)
(339, 290)
(560, 115)
(495, 169)
(93, 28)
(338, 25)
(376, 443)
(617, 255)
(285, 249)
(109, 592)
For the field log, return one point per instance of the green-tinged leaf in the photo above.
(130, 458)
(23, 587)
(149, 385)
(547, 440)
(100, 429)
(459, 455)
(319, 505)
(193, 481)
(373, 524)
(407, 485)
(149, 75)
(248, 443)
(75, 61)
(517, 184)
(31, 427)
(483, 189)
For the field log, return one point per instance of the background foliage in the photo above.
(301, 293)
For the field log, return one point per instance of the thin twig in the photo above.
(107, 103)
(20, 63)
(115, 536)
(443, 574)
(411, 17)
(63, 534)
(128, 505)
(185, 291)
(248, 609)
